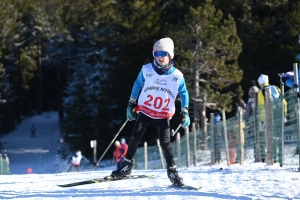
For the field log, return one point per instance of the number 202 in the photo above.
(157, 102)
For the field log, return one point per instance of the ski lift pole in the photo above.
(96, 164)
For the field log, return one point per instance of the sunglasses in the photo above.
(160, 53)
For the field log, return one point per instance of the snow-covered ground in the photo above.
(250, 181)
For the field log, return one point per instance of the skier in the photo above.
(76, 160)
(32, 130)
(157, 85)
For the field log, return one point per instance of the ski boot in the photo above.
(173, 176)
(123, 171)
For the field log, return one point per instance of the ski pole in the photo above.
(174, 132)
(96, 164)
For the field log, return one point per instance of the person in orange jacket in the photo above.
(117, 154)
(123, 151)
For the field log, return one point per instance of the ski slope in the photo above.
(250, 181)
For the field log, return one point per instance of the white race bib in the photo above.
(157, 98)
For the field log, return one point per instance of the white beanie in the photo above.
(117, 143)
(263, 79)
(164, 44)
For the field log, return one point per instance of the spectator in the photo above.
(117, 154)
(252, 101)
(240, 104)
(288, 79)
(217, 137)
(123, 151)
(263, 81)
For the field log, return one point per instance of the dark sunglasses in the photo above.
(160, 53)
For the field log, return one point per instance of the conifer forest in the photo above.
(81, 57)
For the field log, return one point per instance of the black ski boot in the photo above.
(123, 171)
(173, 176)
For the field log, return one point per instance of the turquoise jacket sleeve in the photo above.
(138, 85)
(183, 93)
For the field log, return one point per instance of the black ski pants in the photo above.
(163, 127)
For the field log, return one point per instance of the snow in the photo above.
(248, 181)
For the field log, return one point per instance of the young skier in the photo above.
(158, 83)
(76, 160)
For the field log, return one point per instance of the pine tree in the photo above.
(208, 48)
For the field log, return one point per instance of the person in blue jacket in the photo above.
(156, 88)
(288, 79)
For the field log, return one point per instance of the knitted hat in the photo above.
(253, 90)
(263, 79)
(164, 44)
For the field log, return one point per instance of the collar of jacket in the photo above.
(264, 85)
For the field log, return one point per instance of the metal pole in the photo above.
(295, 66)
(1, 171)
(178, 150)
(95, 150)
(282, 125)
(160, 154)
(212, 139)
(195, 145)
(96, 164)
(174, 132)
(187, 133)
(146, 155)
(225, 136)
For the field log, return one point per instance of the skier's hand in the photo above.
(130, 111)
(184, 118)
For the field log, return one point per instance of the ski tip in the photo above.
(61, 186)
(187, 187)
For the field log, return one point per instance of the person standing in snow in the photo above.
(263, 81)
(32, 130)
(76, 160)
(123, 151)
(252, 101)
(217, 137)
(117, 154)
(157, 86)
